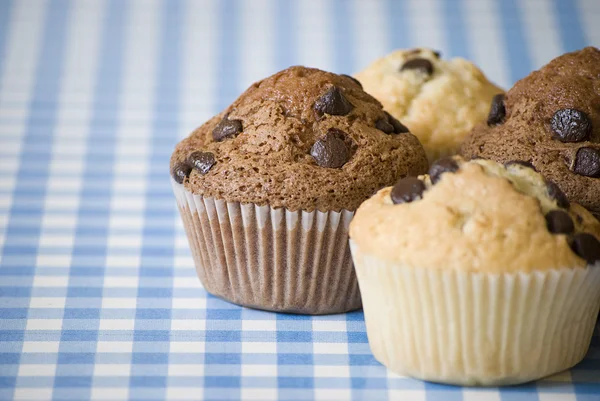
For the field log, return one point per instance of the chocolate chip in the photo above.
(420, 64)
(356, 81)
(520, 163)
(384, 125)
(331, 151)
(557, 194)
(180, 172)
(390, 125)
(333, 102)
(497, 110)
(571, 125)
(587, 162)
(202, 161)
(227, 128)
(559, 222)
(437, 53)
(586, 246)
(407, 190)
(399, 128)
(441, 166)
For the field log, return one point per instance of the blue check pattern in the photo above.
(98, 295)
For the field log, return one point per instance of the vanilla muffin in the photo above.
(477, 274)
(440, 101)
(267, 189)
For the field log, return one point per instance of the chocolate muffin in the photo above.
(550, 119)
(267, 188)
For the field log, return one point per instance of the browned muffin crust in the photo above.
(274, 160)
(531, 132)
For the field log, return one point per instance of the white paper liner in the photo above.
(272, 259)
(475, 328)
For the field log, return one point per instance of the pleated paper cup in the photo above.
(272, 259)
(470, 328)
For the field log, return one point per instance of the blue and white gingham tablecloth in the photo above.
(98, 295)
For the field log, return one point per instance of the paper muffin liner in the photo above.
(470, 328)
(272, 259)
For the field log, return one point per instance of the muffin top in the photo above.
(302, 139)
(439, 100)
(477, 216)
(551, 119)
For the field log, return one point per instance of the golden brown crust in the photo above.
(440, 109)
(482, 218)
(270, 161)
(571, 81)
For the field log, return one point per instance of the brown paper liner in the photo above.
(272, 259)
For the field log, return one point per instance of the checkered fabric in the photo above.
(98, 295)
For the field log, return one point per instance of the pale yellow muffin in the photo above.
(439, 102)
(477, 274)
(484, 217)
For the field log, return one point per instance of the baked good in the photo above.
(267, 189)
(477, 274)
(439, 100)
(550, 119)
